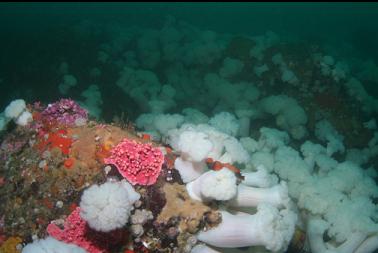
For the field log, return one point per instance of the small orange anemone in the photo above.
(104, 150)
(216, 165)
(69, 162)
(72, 207)
(146, 137)
(107, 145)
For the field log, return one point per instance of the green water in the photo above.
(38, 34)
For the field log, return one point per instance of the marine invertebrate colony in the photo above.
(107, 207)
(76, 231)
(138, 163)
(65, 112)
(268, 227)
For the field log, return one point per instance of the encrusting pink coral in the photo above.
(77, 231)
(138, 163)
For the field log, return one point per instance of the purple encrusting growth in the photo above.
(9, 147)
(66, 112)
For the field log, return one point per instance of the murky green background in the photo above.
(36, 34)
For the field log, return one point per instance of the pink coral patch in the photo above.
(138, 163)
(76, 231)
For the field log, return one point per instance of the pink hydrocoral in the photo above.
(76, 231)
(138, 163)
